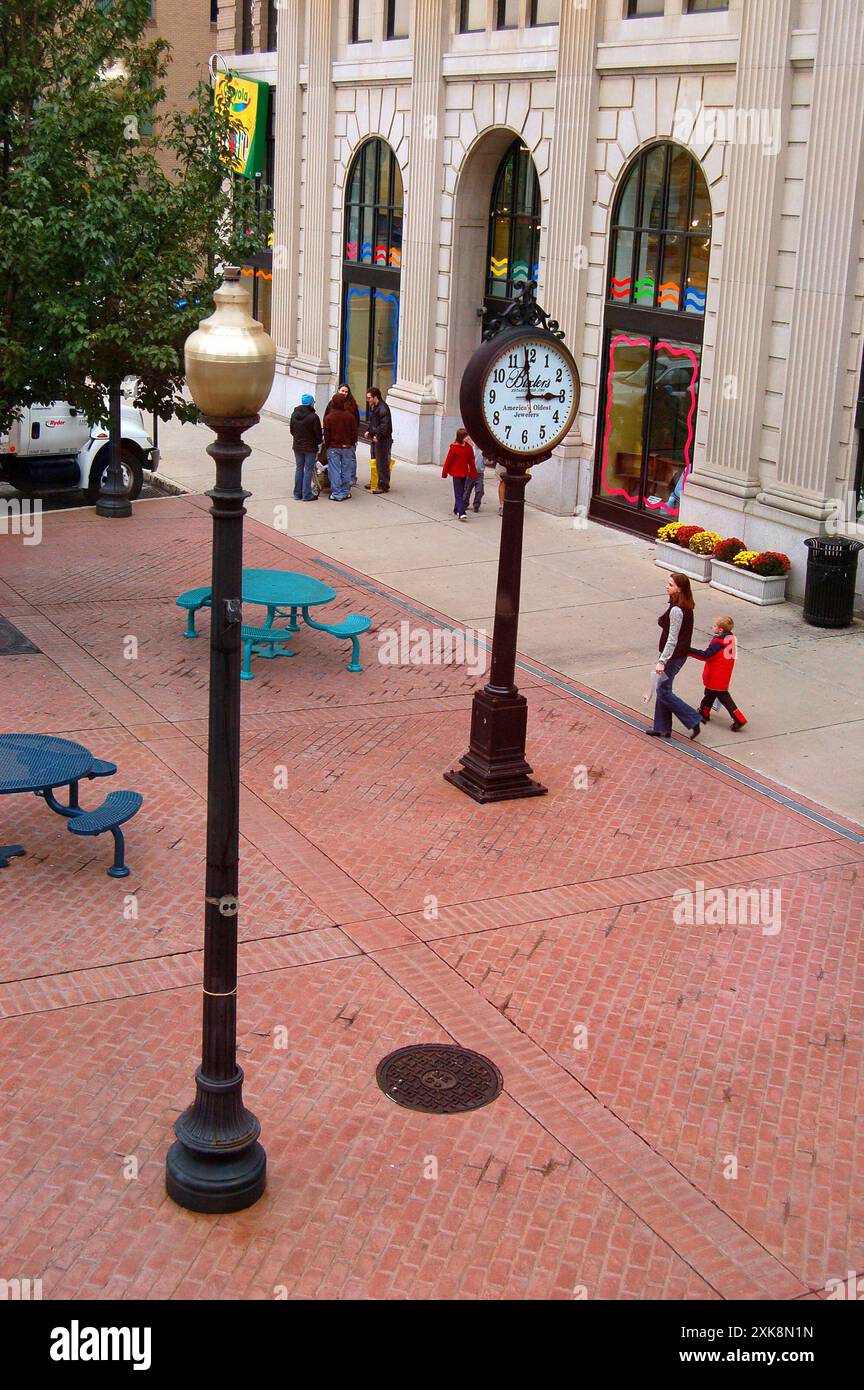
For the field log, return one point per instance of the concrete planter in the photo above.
(674, 557)
(755, 588)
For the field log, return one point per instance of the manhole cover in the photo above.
(439, 1079)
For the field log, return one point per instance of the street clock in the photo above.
(520, 391)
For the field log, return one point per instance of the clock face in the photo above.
(530, 395)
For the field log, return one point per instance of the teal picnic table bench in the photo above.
(284, 594)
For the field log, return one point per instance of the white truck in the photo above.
(53, 448)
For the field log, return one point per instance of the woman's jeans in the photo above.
(458, 495)
(304, 467)
(668, 703)
(339, 468)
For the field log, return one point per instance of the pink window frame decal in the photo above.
(606, 490)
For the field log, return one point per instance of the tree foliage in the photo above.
(112, 218)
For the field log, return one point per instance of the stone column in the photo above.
(412, 397)
(809, 467)
(729, 474)
(565, 479)
(286, 197)
(312, 362)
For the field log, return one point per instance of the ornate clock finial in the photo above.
(523, 312)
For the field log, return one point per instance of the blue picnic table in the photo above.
(284, 593)
(41, 764)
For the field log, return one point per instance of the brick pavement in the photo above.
(381, 907)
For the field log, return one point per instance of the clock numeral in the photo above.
(559, 374)
(556, 417)
(546, 362)
(496, 418)
(491, 397)
(562, 396)
(507, 430)
(524, 436)
(532, 355)
(542, 431)
(511, 362)
(499, 374)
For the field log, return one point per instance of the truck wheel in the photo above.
(133, 474)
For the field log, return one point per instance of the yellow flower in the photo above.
(744, 558)
(669, 531)
(703, 542)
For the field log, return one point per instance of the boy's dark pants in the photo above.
(723, 696)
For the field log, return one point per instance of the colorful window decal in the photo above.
(661, 233)
(371, 268)
(617, 398)
(514, 226)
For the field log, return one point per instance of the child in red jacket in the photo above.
(459, 465)
(719, 658)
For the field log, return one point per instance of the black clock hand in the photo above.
(528, 377)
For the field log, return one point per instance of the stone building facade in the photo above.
(682, 177)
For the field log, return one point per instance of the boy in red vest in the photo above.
(719, 658)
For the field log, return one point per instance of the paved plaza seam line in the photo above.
(598, 703)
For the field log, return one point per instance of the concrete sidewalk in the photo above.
(590, 600)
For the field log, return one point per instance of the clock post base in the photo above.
(494, 768)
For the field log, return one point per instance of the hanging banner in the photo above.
(248, 103)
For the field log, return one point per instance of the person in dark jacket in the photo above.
(306, 433)
(345, 390)
(379, 430)
(676, 632)
(719, 657)
(340, 437)
(460, 466)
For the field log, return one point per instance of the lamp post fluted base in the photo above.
(216, 1163)
(494, 768)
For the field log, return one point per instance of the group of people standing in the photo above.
(336, 438)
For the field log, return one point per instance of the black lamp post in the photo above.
(113, 499)
(216, 1163)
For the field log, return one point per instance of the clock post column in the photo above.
(495, 768)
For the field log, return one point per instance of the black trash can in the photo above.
(829, 596)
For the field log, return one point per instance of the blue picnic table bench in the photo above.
(41, 764)
(284, 594)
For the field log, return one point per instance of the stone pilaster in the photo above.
(286, 184)
(730, 469)
(564, 480)
(823, 294)
(312, 360)
(412, 397)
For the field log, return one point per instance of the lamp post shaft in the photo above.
(113, 499)
(502, 675)
(216, 1163)
(495, 767)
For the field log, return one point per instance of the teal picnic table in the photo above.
(283, 593)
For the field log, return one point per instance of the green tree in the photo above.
(112, 217)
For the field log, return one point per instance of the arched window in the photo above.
(371, 259)
(660, 245)
(514, 228)
(661, 234)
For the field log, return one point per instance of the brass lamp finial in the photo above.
(230, 360)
